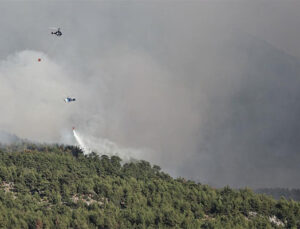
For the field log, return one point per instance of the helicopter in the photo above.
(68, 100)
(57, 32)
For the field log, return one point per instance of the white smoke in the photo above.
(32, 94)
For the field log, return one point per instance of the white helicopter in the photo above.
(69, 99)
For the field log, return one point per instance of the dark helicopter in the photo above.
(57, 32)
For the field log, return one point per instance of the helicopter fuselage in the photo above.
(57, 33)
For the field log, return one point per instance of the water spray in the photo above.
(81, 144)
(102, 146)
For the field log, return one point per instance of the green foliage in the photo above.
(55, 186)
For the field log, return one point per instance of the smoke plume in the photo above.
(208, 90)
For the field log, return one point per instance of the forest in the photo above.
(56, 186)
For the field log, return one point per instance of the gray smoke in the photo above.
(209, 89)
(7, 138)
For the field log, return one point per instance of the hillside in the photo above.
(56, 186)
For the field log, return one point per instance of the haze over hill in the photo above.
(209, 89)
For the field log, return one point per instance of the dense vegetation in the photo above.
(57, 186)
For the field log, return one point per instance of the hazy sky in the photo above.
(208, 90)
